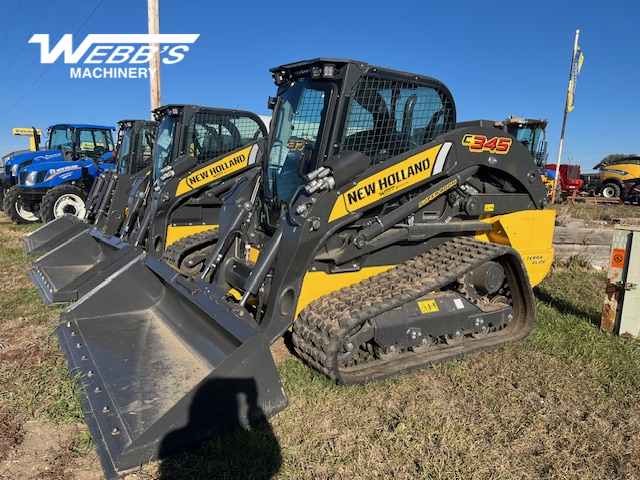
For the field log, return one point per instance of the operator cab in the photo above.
(381, 114)
(135, 144)
(200, 132)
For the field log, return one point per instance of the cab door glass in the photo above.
(61, 139)
(210, 135)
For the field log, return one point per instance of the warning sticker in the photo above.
(617, 258)
(428, 306)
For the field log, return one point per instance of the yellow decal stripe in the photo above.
(389, 181)
(215, 171)
(437, 193)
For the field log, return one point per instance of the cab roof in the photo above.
(84, 125)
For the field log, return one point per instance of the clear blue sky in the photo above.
(498, 58)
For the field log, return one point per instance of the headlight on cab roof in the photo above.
(30, 181)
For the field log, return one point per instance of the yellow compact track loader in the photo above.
(385, 235)
(198, 154)
(133, 155)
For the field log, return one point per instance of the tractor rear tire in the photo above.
(610, 190)
(18, 211)
(63, 199)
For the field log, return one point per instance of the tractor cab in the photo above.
(75, 156)
(82, 141)
(108, 194)
(532, 133)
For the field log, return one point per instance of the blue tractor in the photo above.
(45, 185)
(34, 140)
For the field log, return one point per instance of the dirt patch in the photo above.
(48, 451)
(11, 433)
(282, 349)
(596, 216)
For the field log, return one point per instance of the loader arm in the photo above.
(106, 200)
(199, 154)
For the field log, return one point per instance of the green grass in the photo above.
(34, 380)
(562, 404)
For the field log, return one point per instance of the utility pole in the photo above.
(154, 62)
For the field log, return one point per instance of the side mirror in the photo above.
(347, 166)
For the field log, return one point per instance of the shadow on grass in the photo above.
(566, 307)
(245, 447)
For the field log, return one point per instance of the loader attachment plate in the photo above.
(164, 366)
(53, 234)
(80, 264)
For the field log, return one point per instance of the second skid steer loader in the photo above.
(133, 155)
(198, 155)
(384, 236)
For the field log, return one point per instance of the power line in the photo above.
(10, 25)
(47, 69)
(28, 37)
(38, 58)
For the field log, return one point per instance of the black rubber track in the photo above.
(324, 327)
(177, 251)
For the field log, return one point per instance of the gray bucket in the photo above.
(53, 234)
(164, 366)
(77, 266)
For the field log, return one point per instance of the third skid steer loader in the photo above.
(386, 237)
(133, 155)
(209, 147)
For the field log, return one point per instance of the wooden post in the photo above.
(154, 62)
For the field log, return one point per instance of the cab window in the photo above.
(210, 135)
(388, 117)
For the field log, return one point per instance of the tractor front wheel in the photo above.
(610, 190)
(63, 199)
(19, 212)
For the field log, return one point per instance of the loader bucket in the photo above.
(53, 234)
(164, 367)
(78, 265)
